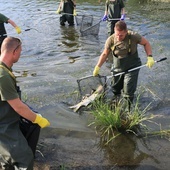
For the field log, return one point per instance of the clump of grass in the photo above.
(62, 167)
(111, 121)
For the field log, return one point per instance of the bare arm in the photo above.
(103, 57)
(60, 5)
(106, 13)
(146, 45)
(106, 9)
(12, 23)
(74, 2)
(18, 29)
(22, 109)
(123, 11)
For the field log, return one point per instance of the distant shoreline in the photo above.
(161, 0)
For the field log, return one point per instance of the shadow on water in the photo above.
(124, 153)
(69, 39)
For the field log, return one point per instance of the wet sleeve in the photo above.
(7, 89)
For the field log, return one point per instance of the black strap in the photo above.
(8, 71)
(129, 36)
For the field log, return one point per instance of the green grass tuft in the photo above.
(111, 121)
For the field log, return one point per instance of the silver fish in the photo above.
(86, 101)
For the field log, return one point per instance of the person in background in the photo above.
(3, 33)
(19, 125)
(123, 45)
(115, 11)
(68, 8)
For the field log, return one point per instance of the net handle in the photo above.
(115, 19)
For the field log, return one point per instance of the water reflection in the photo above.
(124, 151)
(70, 39)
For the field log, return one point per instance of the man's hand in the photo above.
(104, 18)
(122, 17)
(18, 30)
(150, 61)
(58, 11)
(74, 12)
(41, 121)
(96, 71)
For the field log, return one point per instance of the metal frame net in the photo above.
(92, 30)
(87, 26)
(87, 85)
(86, 20)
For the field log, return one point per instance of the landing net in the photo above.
(92, 30)
(85, 20)
(88, 26)
(87, 85)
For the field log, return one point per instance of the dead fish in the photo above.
(88, 100)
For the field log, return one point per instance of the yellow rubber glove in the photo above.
(96, 71)
(18, 30)
(74, 12)
(58, 11)
(41, 121)
(150, 61)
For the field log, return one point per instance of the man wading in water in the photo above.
(68, 8)
(123, 45)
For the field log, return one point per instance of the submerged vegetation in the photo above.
(112, 121)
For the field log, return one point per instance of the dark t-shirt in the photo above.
(125, 54)
(122, 47)
(114, 7)
(3, 19)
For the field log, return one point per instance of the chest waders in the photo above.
(126, 83)
(68, 7)
(14, 149)
(114, 11)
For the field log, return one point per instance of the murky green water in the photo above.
(55, 57)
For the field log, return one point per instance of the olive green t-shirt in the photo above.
(114, 7)
(3, 18)
(121, 48)
(7, 85)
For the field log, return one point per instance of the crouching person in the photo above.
(19, 124)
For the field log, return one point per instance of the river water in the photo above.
(54, 57)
